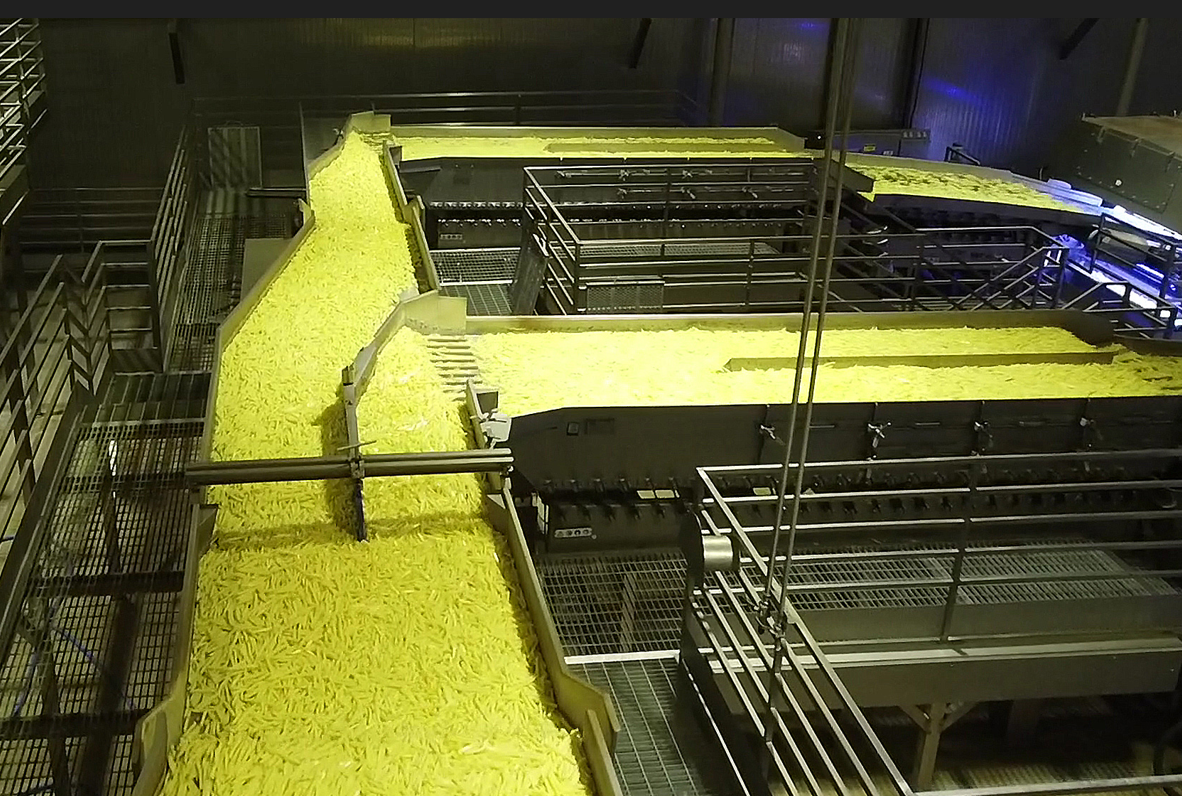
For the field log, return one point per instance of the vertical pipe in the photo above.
(840, 111)
(724, 34)
(919, 44)
(1134, 64)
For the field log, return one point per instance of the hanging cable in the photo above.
(802, 347)
(842, 79)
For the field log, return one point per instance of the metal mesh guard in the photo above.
(637, 296)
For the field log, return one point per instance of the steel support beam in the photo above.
(1132, 66)
(919, 46)
(724, 36)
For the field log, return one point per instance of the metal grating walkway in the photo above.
(1033, 564)
(482, 276)
(212, 282)
(605, 605)
(483, 299)
(100, 612)
(660, 751)
(618, 604)
(475, 265)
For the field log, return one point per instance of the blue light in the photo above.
(950, 90)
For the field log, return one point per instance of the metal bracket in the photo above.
(878, 434)
(353, 447)
(493, 425)
(984, 435)
(1088, 426)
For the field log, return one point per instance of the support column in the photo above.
(724, 35)
(1132, 66)
(927, 747)
(1022, 721)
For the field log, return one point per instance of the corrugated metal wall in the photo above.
(1159, 87)
(116, 110)
(995, 85)
(779, 72)
(998, 86)
(334, 56)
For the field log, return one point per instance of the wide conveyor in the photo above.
(1013, 547)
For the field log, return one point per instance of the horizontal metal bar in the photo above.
(71, 725)
(108, 584)
(1063, 788)
(1058, 488)
(975, 461)
(928, 360)
(328, 467)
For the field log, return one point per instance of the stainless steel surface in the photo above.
(1087, 328)
(1130, 161)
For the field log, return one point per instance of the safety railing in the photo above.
(54, 357)
(131, 301)
(22, 84)
(1001, 268)
(624, 240)
(60, 220)
(932, 552)
(1134, 306)
(603, 107)
(169, 238)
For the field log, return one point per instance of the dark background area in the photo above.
(998, 86)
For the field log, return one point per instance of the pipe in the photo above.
(724, 35)
(1136, 50)
(919, 46)
(325, 467)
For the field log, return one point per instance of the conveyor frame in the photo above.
(584, 706)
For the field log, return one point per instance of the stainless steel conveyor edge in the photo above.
(586, 708)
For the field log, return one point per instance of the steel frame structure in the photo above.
(22, 87)
(753, 248)
(981, 556)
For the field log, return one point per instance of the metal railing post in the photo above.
(962, 542)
